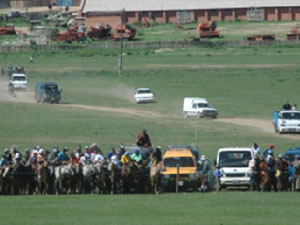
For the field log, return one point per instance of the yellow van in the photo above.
(187, 170)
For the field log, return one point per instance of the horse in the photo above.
(88, 172)
(63, 176)
(155, 169)
(42, 177)
(114, 178)
(155, 176)
(100, 178)
(77, 180)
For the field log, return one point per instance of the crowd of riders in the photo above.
(267, 173)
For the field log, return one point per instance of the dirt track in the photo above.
(259, 125)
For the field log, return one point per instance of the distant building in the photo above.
(182, 11)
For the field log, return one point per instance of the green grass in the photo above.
(241, 82)
(228, 208)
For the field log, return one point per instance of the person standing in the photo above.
(296, 174)
(31, 59)
(271, 170)
(287, 106)
(256, 149)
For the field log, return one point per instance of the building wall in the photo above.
(111, 19)
(4, 3)
(198, 15)
(296, 13)
(285, 13)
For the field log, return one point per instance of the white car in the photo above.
(233, 166)
(143, 95)
(19, 81)
(198, 107)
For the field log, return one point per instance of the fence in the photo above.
(150, 45)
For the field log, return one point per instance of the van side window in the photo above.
(194, 106)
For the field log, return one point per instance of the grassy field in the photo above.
(242, 83)
(247, 83)
(230, 208)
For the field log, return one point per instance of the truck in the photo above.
(19, 81)
(179, 170)
(286, 121)
(198, 107)
(232, 165)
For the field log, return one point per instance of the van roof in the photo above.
(197, 100)
(237, 149)
(178, 153)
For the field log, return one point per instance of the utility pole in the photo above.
(120, 61)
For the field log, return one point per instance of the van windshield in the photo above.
(182, 161)
(19, 78)
(234, 159)
(203, 105)
(291, 116)
(144, 92)
(51, 88)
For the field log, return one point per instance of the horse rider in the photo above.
(143, 139)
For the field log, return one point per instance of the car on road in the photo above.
(19, 81)
(198, 107)
(47, 92)
(286, 121)
(143, 95)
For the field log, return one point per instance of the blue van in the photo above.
(47, 92)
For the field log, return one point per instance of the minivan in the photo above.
(47, 92)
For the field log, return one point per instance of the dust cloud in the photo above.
(21, 96)
(121, 91)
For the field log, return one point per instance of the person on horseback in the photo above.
(125, 158)
(137, 157)
(143, 139)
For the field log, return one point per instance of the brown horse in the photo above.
(264, 178)
(114, 178)
(155, 169)
(42, 177)
(155, 176)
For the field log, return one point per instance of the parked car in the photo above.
(47, 92)
(188, 177)
(198, 107)
(286, 121)
(19, 81)
(290, 155)
(232, 164)
(143, 95)
(14, 14)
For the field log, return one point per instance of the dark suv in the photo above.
(47, 92)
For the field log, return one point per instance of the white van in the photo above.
(19, 81)
(198, 107)
(233, 166)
